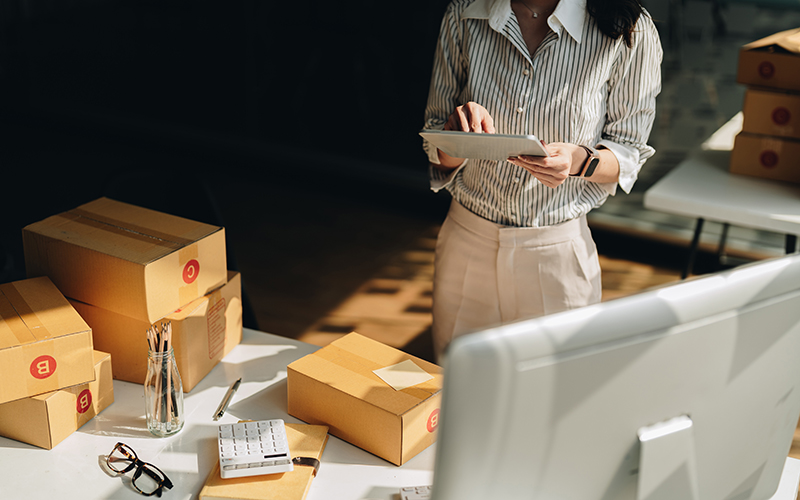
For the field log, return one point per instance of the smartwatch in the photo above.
(589, 166)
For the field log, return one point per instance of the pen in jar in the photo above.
(223, 405)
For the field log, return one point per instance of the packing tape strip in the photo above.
(355, 363)
(20, 317)
(131, 230)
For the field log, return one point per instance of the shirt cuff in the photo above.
(628, 159)
(439, 179)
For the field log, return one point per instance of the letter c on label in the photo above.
(190, 271)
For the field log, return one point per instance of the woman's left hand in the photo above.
(553, 170)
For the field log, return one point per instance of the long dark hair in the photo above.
(616, 18)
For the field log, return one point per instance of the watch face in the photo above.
(592, 165)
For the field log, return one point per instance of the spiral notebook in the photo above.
(304, 441)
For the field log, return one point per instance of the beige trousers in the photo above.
(487, 274)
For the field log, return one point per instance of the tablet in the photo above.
(484, 146)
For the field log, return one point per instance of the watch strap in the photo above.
(589, 166)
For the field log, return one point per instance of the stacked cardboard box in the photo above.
(769, 144)
(125, 267)
(53, 380)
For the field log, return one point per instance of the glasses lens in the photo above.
(121, 458)
(148, 480)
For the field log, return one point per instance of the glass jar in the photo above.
(163, 394)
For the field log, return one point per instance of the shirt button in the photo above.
(526, 72)
(520, 109)
(516, 179)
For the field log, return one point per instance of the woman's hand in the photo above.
(470, 117)
(553, 170)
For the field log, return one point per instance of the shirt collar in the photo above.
(569, 14)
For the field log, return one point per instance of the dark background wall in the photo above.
(156, 102)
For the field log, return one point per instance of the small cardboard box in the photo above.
(48, 419)
(766, 157)
(775, 113)
(203, 332)
(44, 343)
(336, 386)
(773, 61)
(127, 259)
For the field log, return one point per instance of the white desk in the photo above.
(701, 187)
(71, 470)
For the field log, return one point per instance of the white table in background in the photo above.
(701, 187)
(71, 470)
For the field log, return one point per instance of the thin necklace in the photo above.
(535, 14)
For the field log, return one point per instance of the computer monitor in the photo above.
(691, 390)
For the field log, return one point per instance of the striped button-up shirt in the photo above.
(579, 87)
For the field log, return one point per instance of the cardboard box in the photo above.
(203, 332)
(44, 343)
(775, 113)
(766, 156)
(773, 61)
(48, 419)
(336, 386)
(131, 260)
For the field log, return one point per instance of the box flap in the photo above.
(125, 231)
(788, 40)
(33, 310)
(347, 365)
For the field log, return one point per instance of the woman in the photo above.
(581, 75)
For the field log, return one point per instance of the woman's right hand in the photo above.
(469, 117)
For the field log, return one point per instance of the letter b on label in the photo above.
(84, 401)
(43, 366)
(433, 420)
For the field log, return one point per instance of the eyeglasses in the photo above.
(147, 478)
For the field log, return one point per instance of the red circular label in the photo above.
(190, 271)
(43, 366)
(769, 158)
(433, 420)
(781, 116)
(84, 401)
(766, 69)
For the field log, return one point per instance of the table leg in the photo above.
(698, 229)
(791, 243)
(723, 239)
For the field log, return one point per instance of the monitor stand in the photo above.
(666, 464)
(667, 469)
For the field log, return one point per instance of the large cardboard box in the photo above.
(337, 386)
(775, 113)
(766, 157)
(44, 343)
(127, 259)
(773, 61)
(203, 332)
(48, 419)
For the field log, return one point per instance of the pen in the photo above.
(223, 405)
